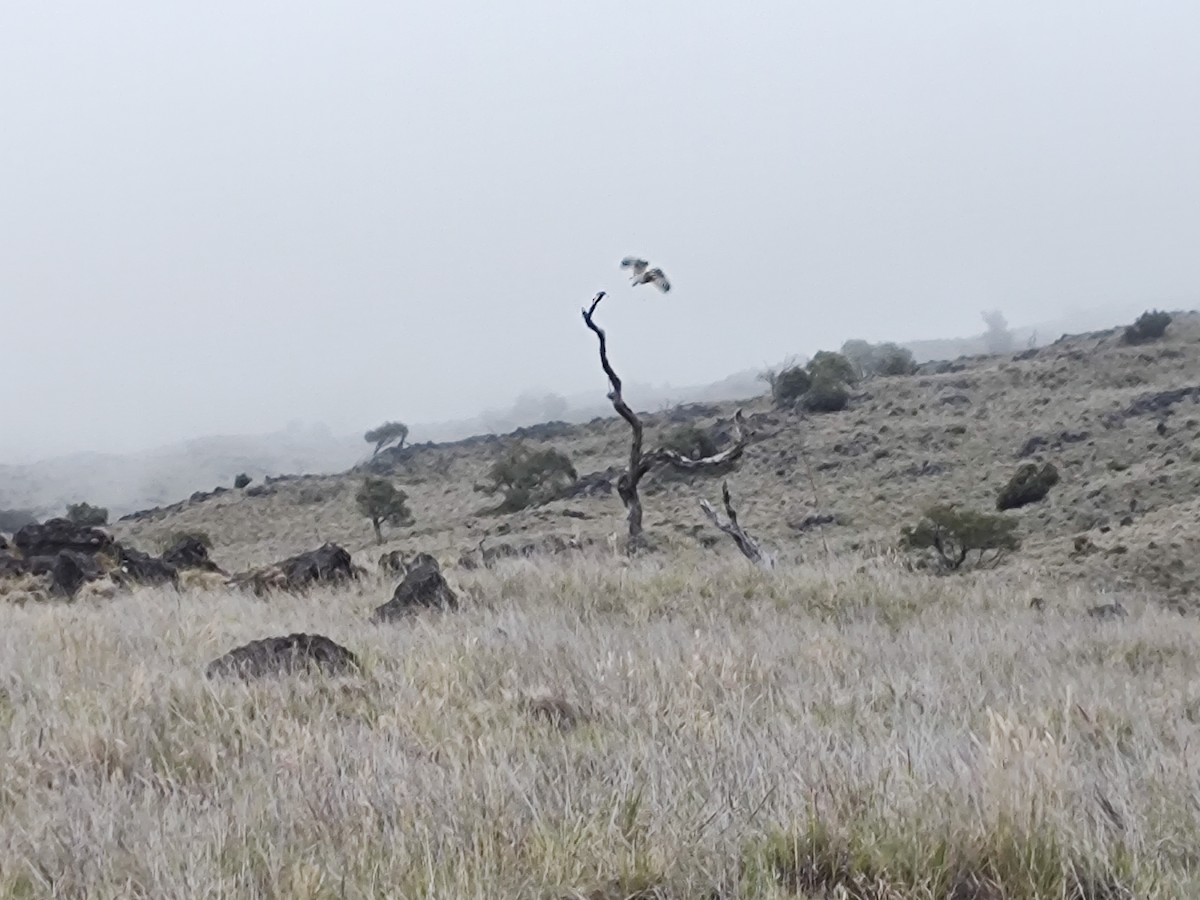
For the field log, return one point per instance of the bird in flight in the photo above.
(642, 274)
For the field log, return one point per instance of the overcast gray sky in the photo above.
(218, 217)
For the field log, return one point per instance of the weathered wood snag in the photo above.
(640, 463)
(749, 547)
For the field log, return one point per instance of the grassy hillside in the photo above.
(675, 725)
(904, 443)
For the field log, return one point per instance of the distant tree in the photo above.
(13, 520)
(387, 433)
(997, 338)
(528, 477)
(956, 534)
(1150, 326)
(381, 502)
(833, 367)
(242, 481)
(85, 514)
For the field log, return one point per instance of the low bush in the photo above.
(956, 534)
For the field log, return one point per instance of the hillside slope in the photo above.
(1120, 423)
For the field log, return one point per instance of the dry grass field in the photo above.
(680, 724)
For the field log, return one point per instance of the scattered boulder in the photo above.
(329, 562)
(596, 484)
(71, 570)
(423, 587)
(142, 568)
(292, 654)
(1029, 485)
(56, 535)
(1162, 401)
(189, 552)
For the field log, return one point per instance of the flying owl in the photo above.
(642, 274)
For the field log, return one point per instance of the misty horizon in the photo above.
(217, 224)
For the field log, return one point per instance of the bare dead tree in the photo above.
(640, 462)
(749, 547)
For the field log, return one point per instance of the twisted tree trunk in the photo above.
(641, 463)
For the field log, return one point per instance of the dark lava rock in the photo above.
(1029, 485)
(597, 484)
(423, 587)
(328, 562)
(142, 568)
(287, 655)
(1162, 401)
(71, 570)
(56, 535)
(190, 553)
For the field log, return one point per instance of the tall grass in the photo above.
(844, 731)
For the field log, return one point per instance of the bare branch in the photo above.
(749, 547)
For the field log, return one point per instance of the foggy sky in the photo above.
(218, 217)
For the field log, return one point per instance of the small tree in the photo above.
(528, 477)
(381, 502)
(85, 514)
(387, 433)
(242, 481)
(997, 338)
(1150, 326)
(956, 534)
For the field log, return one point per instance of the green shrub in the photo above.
(825, 395)
(85, 514)
(1029, 485)
(829, 366)
(788, 385)
(1150, 326)
(956, 534)
(878, 359)
(690, 441)
(381, 502)
(529, 477)
(242, 481)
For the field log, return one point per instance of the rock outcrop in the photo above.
(291, 654)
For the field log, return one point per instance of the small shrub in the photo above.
(829, 366)
(382, 502)
(13, 520)
(1149, 326)
(956, 534)
(178, 537)
(1029, 485)
(529, 477)
(84, 514)
(892, 359)
(788, 385)
(243, 480)
(690, 441)
(825, 395)
(878, 359)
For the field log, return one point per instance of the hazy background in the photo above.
(219, 218)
